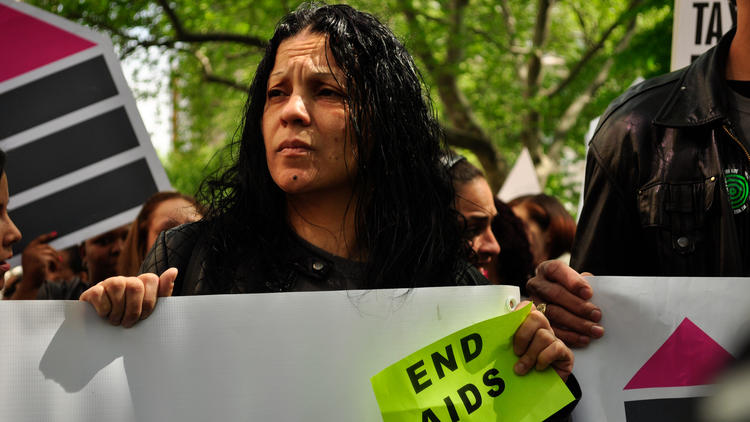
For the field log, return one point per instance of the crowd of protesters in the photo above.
(341, 180)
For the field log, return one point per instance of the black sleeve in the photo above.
(609, 237)
(173, 248)
(604, 225)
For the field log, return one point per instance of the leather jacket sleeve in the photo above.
(608, 227)
(610, 237)
(175, 248)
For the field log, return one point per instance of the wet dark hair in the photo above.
(405, 225)
(2, 161)
(462, 171)
(515, 263)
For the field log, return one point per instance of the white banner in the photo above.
(259, 357)
(665, 340)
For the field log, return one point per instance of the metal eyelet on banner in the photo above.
(511, 303)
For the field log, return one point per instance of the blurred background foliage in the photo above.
(503, 74)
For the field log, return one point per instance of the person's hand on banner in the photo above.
(537, 346)
(567, 296)
(127, 300)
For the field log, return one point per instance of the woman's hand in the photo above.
(127, 300)
(537, 346)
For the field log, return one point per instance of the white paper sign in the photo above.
(665, 340)
(698, 25)
(259, 357)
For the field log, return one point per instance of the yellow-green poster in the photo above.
(468, 376)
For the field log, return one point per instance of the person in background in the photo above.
(9, 233)
(56, 265)
(99, 256)
(549, 227)
(666, 187)
(161, 212)
(514, 265)
(476, 207)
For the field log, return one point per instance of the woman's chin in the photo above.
(293, 185)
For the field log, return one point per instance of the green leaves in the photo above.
(474, 56)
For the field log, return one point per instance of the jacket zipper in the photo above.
(737, 141)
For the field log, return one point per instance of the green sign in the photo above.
(468, 376)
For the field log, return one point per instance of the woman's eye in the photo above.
(327, 92)
(473, 231)
(275, 93)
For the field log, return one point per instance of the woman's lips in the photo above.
(292, 148)
(4, 266)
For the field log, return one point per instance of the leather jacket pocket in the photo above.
(679, 210)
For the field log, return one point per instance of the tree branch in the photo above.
(582, 22)
(531, 117)
(571, 114)
(510, 23)
(210, 76)
(182, 35)
(591, 52)
(420, 45)
(456, 31)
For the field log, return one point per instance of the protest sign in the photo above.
(666, 340)
(305, 356)
(698, 25)
(469, 376)
(80, 161)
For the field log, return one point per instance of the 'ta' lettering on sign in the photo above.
(698, 25)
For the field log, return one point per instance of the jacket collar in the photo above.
(700, 96)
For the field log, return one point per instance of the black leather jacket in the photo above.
(308, 267)
(655, 200)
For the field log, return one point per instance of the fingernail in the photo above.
(595, 315)
(597, 331)
(59, 258)
(54, 233)
(519, 368)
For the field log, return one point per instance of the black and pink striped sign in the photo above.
(80, 161)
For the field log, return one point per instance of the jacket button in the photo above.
(683, 242)
(317, 265)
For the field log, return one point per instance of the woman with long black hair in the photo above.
(337, 183)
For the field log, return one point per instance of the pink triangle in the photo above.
(27, 43)
(688, 357)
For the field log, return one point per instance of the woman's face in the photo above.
(537, 238)
(9, 233)
(305, 119)
(474, 201)
(167, 214)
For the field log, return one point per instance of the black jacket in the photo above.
(655, 200)
(306, 268)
